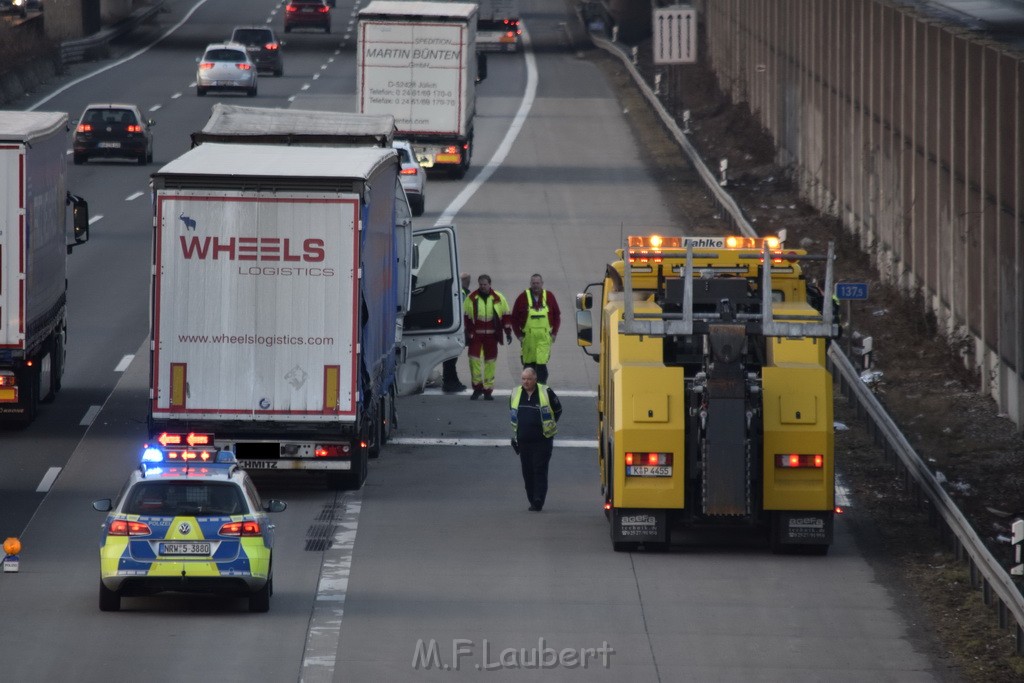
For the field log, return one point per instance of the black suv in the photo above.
(263, 47)
(113, 130)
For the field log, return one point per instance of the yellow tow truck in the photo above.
(714, 399)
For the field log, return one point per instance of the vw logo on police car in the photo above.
(184, 528)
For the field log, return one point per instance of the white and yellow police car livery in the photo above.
(188, 520)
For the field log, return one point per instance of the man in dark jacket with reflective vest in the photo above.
(534, 410)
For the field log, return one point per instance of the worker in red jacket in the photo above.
(535, 321)
(486, 314)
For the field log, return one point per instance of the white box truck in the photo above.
(265, 125)
(422, 342)
(418, 61)
(33, 259)
(497, 26)
(275, 303)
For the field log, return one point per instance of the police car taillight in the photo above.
(248, 528)
(125, 527)
(797, 460)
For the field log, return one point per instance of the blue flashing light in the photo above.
(226, 458)
(152, 455)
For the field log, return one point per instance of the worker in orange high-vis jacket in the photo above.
(487, 317)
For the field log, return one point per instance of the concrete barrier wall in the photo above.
(62, 19)
(912, 132)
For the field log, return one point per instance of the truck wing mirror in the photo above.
(481, 66)
(80, 219)
(584, 328)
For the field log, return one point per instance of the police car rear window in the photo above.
(184, 498)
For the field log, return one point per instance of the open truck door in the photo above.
(433, 330)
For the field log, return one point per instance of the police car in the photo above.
(187, 520)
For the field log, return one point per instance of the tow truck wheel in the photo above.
(260, 600)
(110, 601)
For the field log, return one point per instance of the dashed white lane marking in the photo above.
(133, 196)
(95, 218)
(125, 362)
(175, 95)
(305, 86)
(90, 415)
(155, 107)
(47, 481)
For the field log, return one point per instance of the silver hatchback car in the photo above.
(226, 66)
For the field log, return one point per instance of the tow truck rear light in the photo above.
(655, 459)
(800, 460)
(7, 379)
(246, 528)
(334, 450)
(124, 527)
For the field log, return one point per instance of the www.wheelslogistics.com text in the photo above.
(255, 340)
(483, 655)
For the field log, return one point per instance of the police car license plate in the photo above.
(648, 471)
(184, 548)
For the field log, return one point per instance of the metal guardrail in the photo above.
(985, 570)
(72, 51)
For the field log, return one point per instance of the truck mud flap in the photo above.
(802, 527)
(639, 526)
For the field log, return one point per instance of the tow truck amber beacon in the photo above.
(714, 399)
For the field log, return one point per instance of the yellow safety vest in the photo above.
(549, 427)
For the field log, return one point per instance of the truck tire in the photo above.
(59, 358)
(354, 478)
(30, 380)
(56, 350)
(375, 436)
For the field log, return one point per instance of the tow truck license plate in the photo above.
(184, 548)
(648, 471)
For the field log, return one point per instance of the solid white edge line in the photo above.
(124, 363)
(90, 415)
(479, 443)
(47, 481)
(448, 215)
(119, 62)
(572, 393)
(319, 657)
